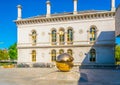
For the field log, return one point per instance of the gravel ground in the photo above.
(51, 76)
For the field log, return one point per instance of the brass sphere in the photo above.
(64, 62)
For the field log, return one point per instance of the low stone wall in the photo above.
(36, 65)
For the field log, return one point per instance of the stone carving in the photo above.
(81, 54)
(80, 31)
(43, 33)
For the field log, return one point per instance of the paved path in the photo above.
(51, 76)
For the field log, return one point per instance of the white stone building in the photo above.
(117, 22)
(89, 36)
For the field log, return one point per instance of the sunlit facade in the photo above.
(88, 36)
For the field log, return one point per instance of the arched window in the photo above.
(34, 34)
(53, 55)
(92, 34)
(61, 51)
(54, 37)
(61, 36)
(69, 51)
(33, 56)
(69, 36)
(92, 55)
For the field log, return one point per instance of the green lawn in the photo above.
(118, 62)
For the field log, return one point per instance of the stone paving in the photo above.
(51, 76)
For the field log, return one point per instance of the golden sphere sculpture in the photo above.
(64, 62)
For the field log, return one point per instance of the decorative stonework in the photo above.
(43, 33)
(80, 31)
(81, 54)
(67, 17)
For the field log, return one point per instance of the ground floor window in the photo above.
(53, 55)
(92, 55)
(61, 51)
(33, 56)
(69, 51)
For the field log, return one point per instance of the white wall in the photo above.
(117, 21)
(105, 36)
(106, 28)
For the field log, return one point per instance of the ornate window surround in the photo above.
(33, 36)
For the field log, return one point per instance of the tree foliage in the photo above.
(4, 55)
(13, 52)
(117, 52)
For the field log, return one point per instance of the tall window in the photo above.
(69, 36)
(69, 51)
(92, 34)
(34, 34)
(54, 37)
(33, 56)
(61, 36)
(53, 55)
(92, 55)
(61, 51)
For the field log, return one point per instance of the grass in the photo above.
(118, 63)
(7, 65)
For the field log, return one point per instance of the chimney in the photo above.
(48, 8)
(75, 6)
(113, 5)
(19, 12)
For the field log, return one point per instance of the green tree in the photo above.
(117, 52)
(1, 55)
(4, 55)
(13, 52)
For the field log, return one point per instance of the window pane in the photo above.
(69, 35)
(33, 56)
(61, 51)
(92, 34)
(34, 37)
(61, 36)
(92, 55)
(54, 36)
(69, 52)
(53, 55)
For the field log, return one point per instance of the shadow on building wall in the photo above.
(105, 39)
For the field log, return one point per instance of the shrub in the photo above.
(23, 65)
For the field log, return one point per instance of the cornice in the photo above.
(66, 46)
(63, 18)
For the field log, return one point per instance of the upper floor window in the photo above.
(33, 56)
(92, 55)
(69, 36)
(61, 36)
(54, 37)
(92, 34)
(53, 55)
(34, 35)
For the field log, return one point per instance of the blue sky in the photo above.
(8, 13)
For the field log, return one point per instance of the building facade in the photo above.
(88, 36)
(117, 22)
